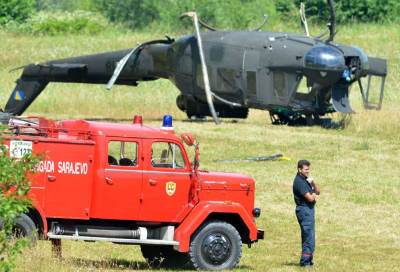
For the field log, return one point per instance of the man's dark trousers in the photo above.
(305, 217)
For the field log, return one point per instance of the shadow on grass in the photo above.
(210, 120)
(123, 264)
(110, 263)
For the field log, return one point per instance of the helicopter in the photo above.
(223, 74)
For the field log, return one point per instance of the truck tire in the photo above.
(164, 256)
(216, 245)
(25, 227)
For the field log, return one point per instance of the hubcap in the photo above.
(216, 248)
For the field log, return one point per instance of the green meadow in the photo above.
(358, 167)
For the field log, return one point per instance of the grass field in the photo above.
(358, 226)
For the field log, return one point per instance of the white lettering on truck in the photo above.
(45, 167)
(69, 168)
(73, 168)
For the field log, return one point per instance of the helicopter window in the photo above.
(166, 155)
(226, 79)
(303, 88)
(251, 83)
(122, 153)
(280, 84)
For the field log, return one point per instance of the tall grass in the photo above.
(357, 167)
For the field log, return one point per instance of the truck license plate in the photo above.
(18, 149)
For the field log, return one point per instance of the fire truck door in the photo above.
(166, 182)
(118, 192)
(69, 175)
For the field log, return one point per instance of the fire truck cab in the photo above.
(134, 184)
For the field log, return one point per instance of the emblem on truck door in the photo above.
(170, 188)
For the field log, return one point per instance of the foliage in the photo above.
(14, 188)
(138, 14)
(133, 13)
(65, 5)
(57, 23)
(367, 10)
(163, 15)
(16, 10)
(239, 14)
(346, 10)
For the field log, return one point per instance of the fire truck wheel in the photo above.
(164, 256)
(215, 246)
(25, 227)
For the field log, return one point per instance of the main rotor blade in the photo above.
(120, 65)
(340, 98)
(207, 88)
(122, 62)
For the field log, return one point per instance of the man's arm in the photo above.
(316, 187)
(310, 197)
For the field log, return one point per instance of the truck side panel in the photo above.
(68, 169)
(117, 188)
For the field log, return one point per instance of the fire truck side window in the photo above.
(166, 155)
(122, 153)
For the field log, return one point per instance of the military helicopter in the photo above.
(225, 73)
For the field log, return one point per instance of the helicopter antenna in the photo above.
(332, 21)
(205, 25)
(207, 88)
(304, 18)
(202, 23)
(265, 16)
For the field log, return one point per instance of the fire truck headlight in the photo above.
(256, 212)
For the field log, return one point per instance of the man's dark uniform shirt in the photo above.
(300, 187)
(305, 217)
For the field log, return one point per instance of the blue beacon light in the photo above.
(167, 122)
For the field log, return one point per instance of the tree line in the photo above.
(226, 14)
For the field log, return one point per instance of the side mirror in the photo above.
(196, 158)
(188, 138)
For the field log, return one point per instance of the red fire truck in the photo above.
(134, 184)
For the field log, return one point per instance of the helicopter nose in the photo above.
(325, 58)
(324, 64)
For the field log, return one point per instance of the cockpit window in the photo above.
(122, 153)
(166, 155)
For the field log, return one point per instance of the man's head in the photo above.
(303, 166)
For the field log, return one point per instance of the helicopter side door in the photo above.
(251, 59)
(266, 87)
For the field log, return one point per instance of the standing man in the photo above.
(305, 192)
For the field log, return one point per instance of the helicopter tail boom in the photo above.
(147, 63)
